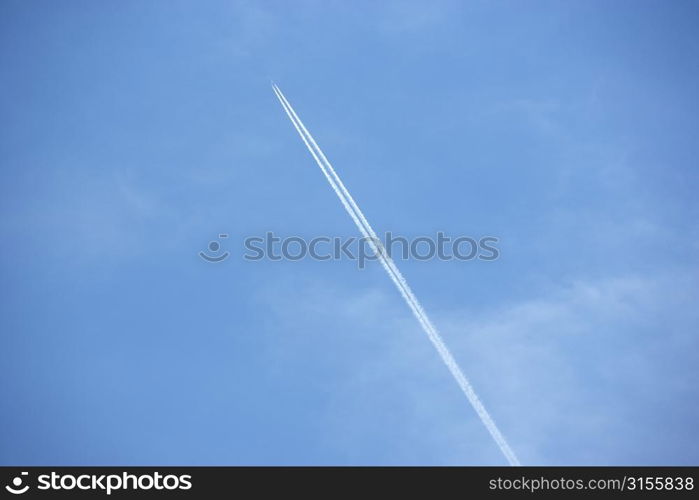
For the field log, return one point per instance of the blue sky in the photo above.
(135, 132)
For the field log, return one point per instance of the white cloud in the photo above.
(563, 374)
(566, 372)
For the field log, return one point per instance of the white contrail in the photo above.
(395, 275)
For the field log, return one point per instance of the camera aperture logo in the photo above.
(214, 247)
(16, 487)
(106, 483)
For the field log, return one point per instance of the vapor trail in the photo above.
(398, 280)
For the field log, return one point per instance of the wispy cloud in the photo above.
(595, 356)
(577, 372)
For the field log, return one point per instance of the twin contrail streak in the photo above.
(395, 275)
